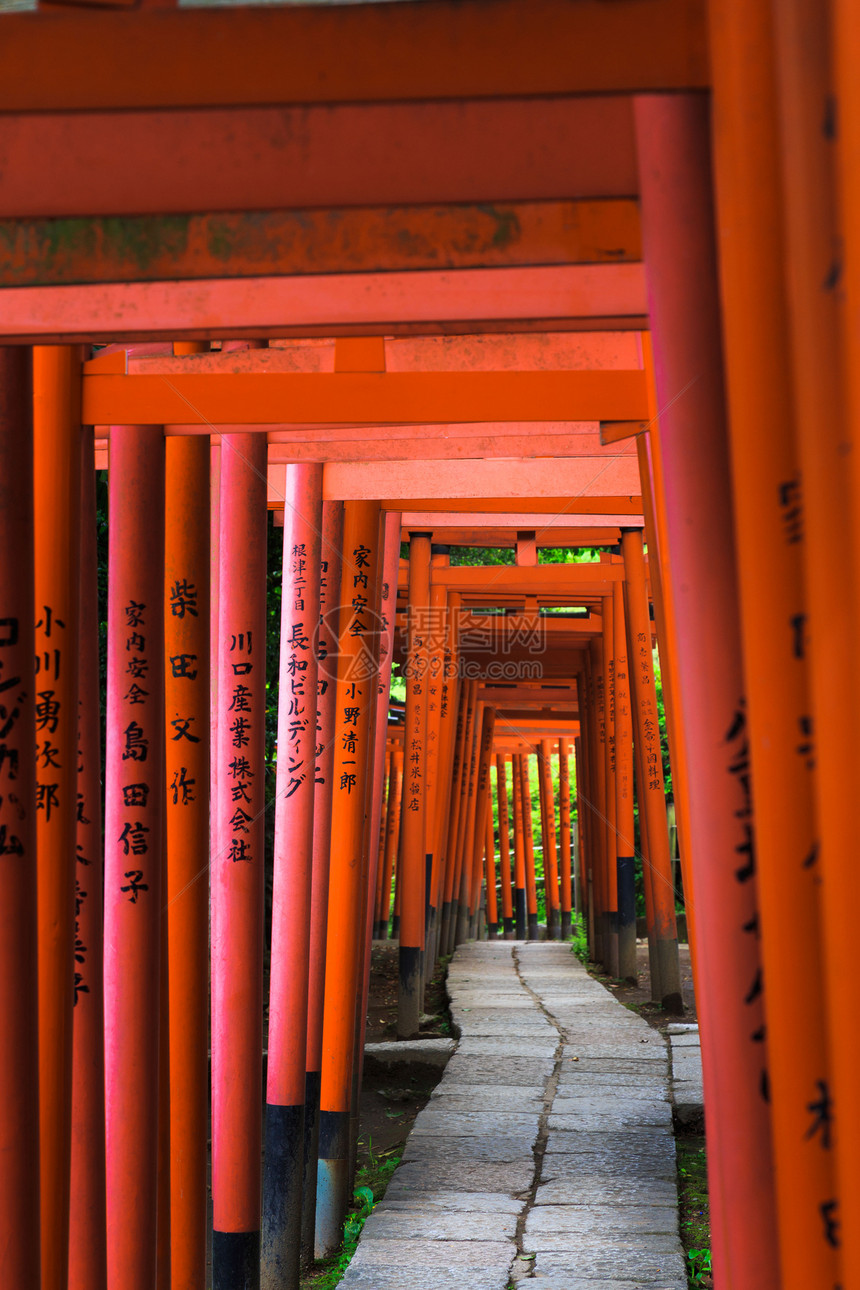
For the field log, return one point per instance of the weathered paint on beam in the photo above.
(145, 248)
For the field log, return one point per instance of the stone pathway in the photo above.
(546, 1152)
(686, 1056)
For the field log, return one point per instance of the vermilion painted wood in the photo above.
(450, 890)
(422, 397)
(293, 872)
(355, 695)
(310, 55)
(549, 506)
(458, 895)
(482, 807)
(237, 865)
(415, 796)
(810, 58)
(528, 835)
(550, 855)
(520, 903)
(564, 839)
(134, 821)
(87, 1218)
(504, 842)
(490, 876)
(576, 297)
(625, 845)
(611, 843)
(186, 604)
(318, 241)
(19, 1010)
(57, 491)
(330, 573)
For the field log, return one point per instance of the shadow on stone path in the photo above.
(545, 1154)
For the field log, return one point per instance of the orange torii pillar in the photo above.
(581, 845)
(87, 1217)
(611, 845)
(624, 796)
(673, 134)
(392, 837)
(520, 903)
(528, 835)
(385, 812)
(413, 862)
(550, 845)
(483, 807)
(237, 872)
(293, 873)
(356, 697)
(57, 492)
(327, 649)
(492, 896)
(434, 643)
(134, 824)
(465, 721)
(465, 860)
(597, 782)
(504, 845)
(652, 797)
(186, 691)
(566, 854)
(19, 1010)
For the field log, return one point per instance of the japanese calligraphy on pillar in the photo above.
(50, 631)
(358, 687)
(300, 751)
(241, 733)
(651, 754)
(136, 787)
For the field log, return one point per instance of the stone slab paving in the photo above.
(546, 1152)
(686, 1056)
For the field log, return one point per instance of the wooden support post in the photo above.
(186, 691)
(490, 855)
(520, 902)
(624, 795)
(597, 780)
(467, 827)
(528, 835)
(327, 649)
(395, 792)
(355, 698)
(19, 1011)
(482, 808)
(413, 864)
(566, 852)
(87, 1215)
(293, 873)
(238, 866)
(466, 717)
(652, 800)
(57, 493)
(550, 846)
(450, 692)
(134, 826)
(436, 644)
(580, 879)
(383, 835)
(610, 957)
(504, 845)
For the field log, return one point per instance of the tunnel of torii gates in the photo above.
(383, 268)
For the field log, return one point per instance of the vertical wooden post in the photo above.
(412, 840)
(566, 858)
(19, 1010)
(293, 873)
(482, 808)
(237, 873)
(504, 845)
(395, 790)
(652, 800)
(490, 852)
(610, 955)
(134, 827)
(624, 796)
(520, 903)
(597, 780)
(467, 826)
(550, 855)
(186, 691)
(528, 835)
(87, 1216)
(458, 813)
(57, 493)
(355, 698)
(327, 652)
(450, 690)
(387, 785)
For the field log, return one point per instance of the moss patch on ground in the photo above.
(694, 1211)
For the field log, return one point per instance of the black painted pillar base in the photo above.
(552, 925)
(627, 966)
(395, 927)
(235, 1260)
(565, 924)
(309, 1166)
(282, 1197)
(534, 934)
(520, 912)
(445, 927)
(333, 1182)
(492, 931)
(508, 925)
(409, 992)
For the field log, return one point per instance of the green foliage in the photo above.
(371, 1179)
(698, 1266)
(579, 938)
(694, 1209)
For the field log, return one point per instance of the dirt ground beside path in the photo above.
(639, 995)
